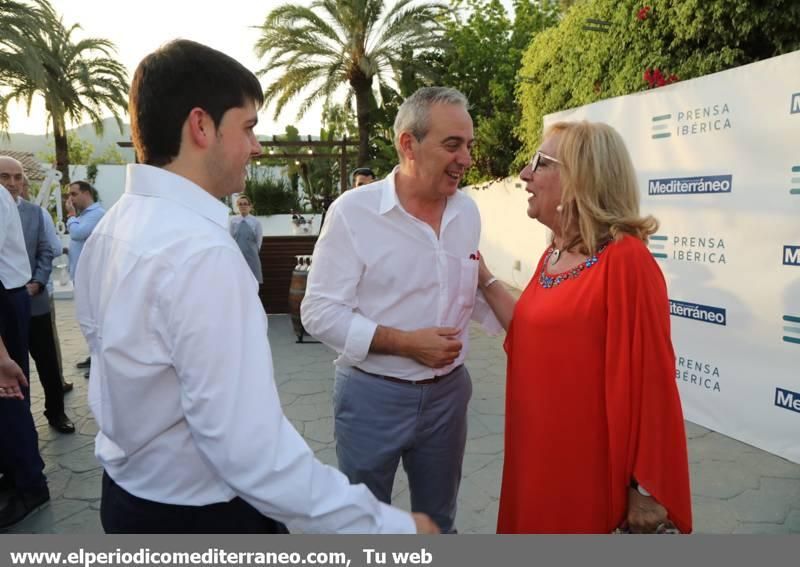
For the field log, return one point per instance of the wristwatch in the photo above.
(639, 488)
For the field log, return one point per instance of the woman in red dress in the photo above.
(594, 435)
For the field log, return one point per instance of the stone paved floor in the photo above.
(736, 488)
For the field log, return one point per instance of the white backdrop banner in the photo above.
(718, 163)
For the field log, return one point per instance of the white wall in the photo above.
(281, 225)
(508, 235)
(110, 181)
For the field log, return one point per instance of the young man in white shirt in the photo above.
(192, 436)
(392, 288)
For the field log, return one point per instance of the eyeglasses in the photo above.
(536, 160)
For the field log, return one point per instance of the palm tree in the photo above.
(18, 24)
(332, 43)
(76, 78)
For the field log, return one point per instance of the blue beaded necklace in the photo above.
(548, 281)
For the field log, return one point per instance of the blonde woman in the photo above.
(594, 435)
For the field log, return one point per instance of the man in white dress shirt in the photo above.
(392, 289)
(192, 436)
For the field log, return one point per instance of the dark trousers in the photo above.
(123, 513)
(43, 351)
(19, 443)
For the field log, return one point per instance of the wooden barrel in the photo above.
(297, 290)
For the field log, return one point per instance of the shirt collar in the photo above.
(389, 199)
(91, 207)
(150, 181)
(389, 193)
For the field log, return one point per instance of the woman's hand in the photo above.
(645, 515)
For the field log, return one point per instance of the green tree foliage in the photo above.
(77, 78)
(79, 151)
(333, 43)
(568, 66)
(482, 59)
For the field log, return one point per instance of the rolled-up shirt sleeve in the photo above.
(231, 404)
(329, 308)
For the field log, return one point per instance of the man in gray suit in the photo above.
(41, 341)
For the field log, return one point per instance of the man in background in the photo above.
(20, 463)
(41, 340)
(362, 176)
(83, 214)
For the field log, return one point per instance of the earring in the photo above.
(559, 208)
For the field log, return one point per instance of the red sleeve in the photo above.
(647, 439)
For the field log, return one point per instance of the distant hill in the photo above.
(43, 144)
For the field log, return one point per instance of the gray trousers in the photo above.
(378, 422)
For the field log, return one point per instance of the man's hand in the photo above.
(11, 379)
(34, 288)
(425, 525)
(645, 515)
(435, 347)
(69, 206)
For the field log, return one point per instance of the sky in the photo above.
(138, 27)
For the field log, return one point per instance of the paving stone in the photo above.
(713, 516)
(84, 522)
(718, 479)
(320, 430)
(488, 445)
(65, 444)
(81, 459)
(87, 486)
(52, 513)
(305, 387)
(770, 504)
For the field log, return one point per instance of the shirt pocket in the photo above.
(468, 283)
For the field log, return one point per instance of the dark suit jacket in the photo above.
(40, 253)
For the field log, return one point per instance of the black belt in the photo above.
(425, 382)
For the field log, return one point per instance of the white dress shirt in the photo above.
(376, 264)
(182, 383)
(15, 267)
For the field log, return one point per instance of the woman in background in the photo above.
(594, 437)
(247, 232)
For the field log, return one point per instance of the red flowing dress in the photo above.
(591, 399)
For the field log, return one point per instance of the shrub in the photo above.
(270, 194)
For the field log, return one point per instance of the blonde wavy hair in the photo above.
(599, 191)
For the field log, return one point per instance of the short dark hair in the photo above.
(173, 80)
(85, 186)
(361, 171)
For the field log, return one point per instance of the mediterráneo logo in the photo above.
(704, 185)
(795, 103)
(698, 312)
(791, 255)
(787, 399)
(795, 188)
